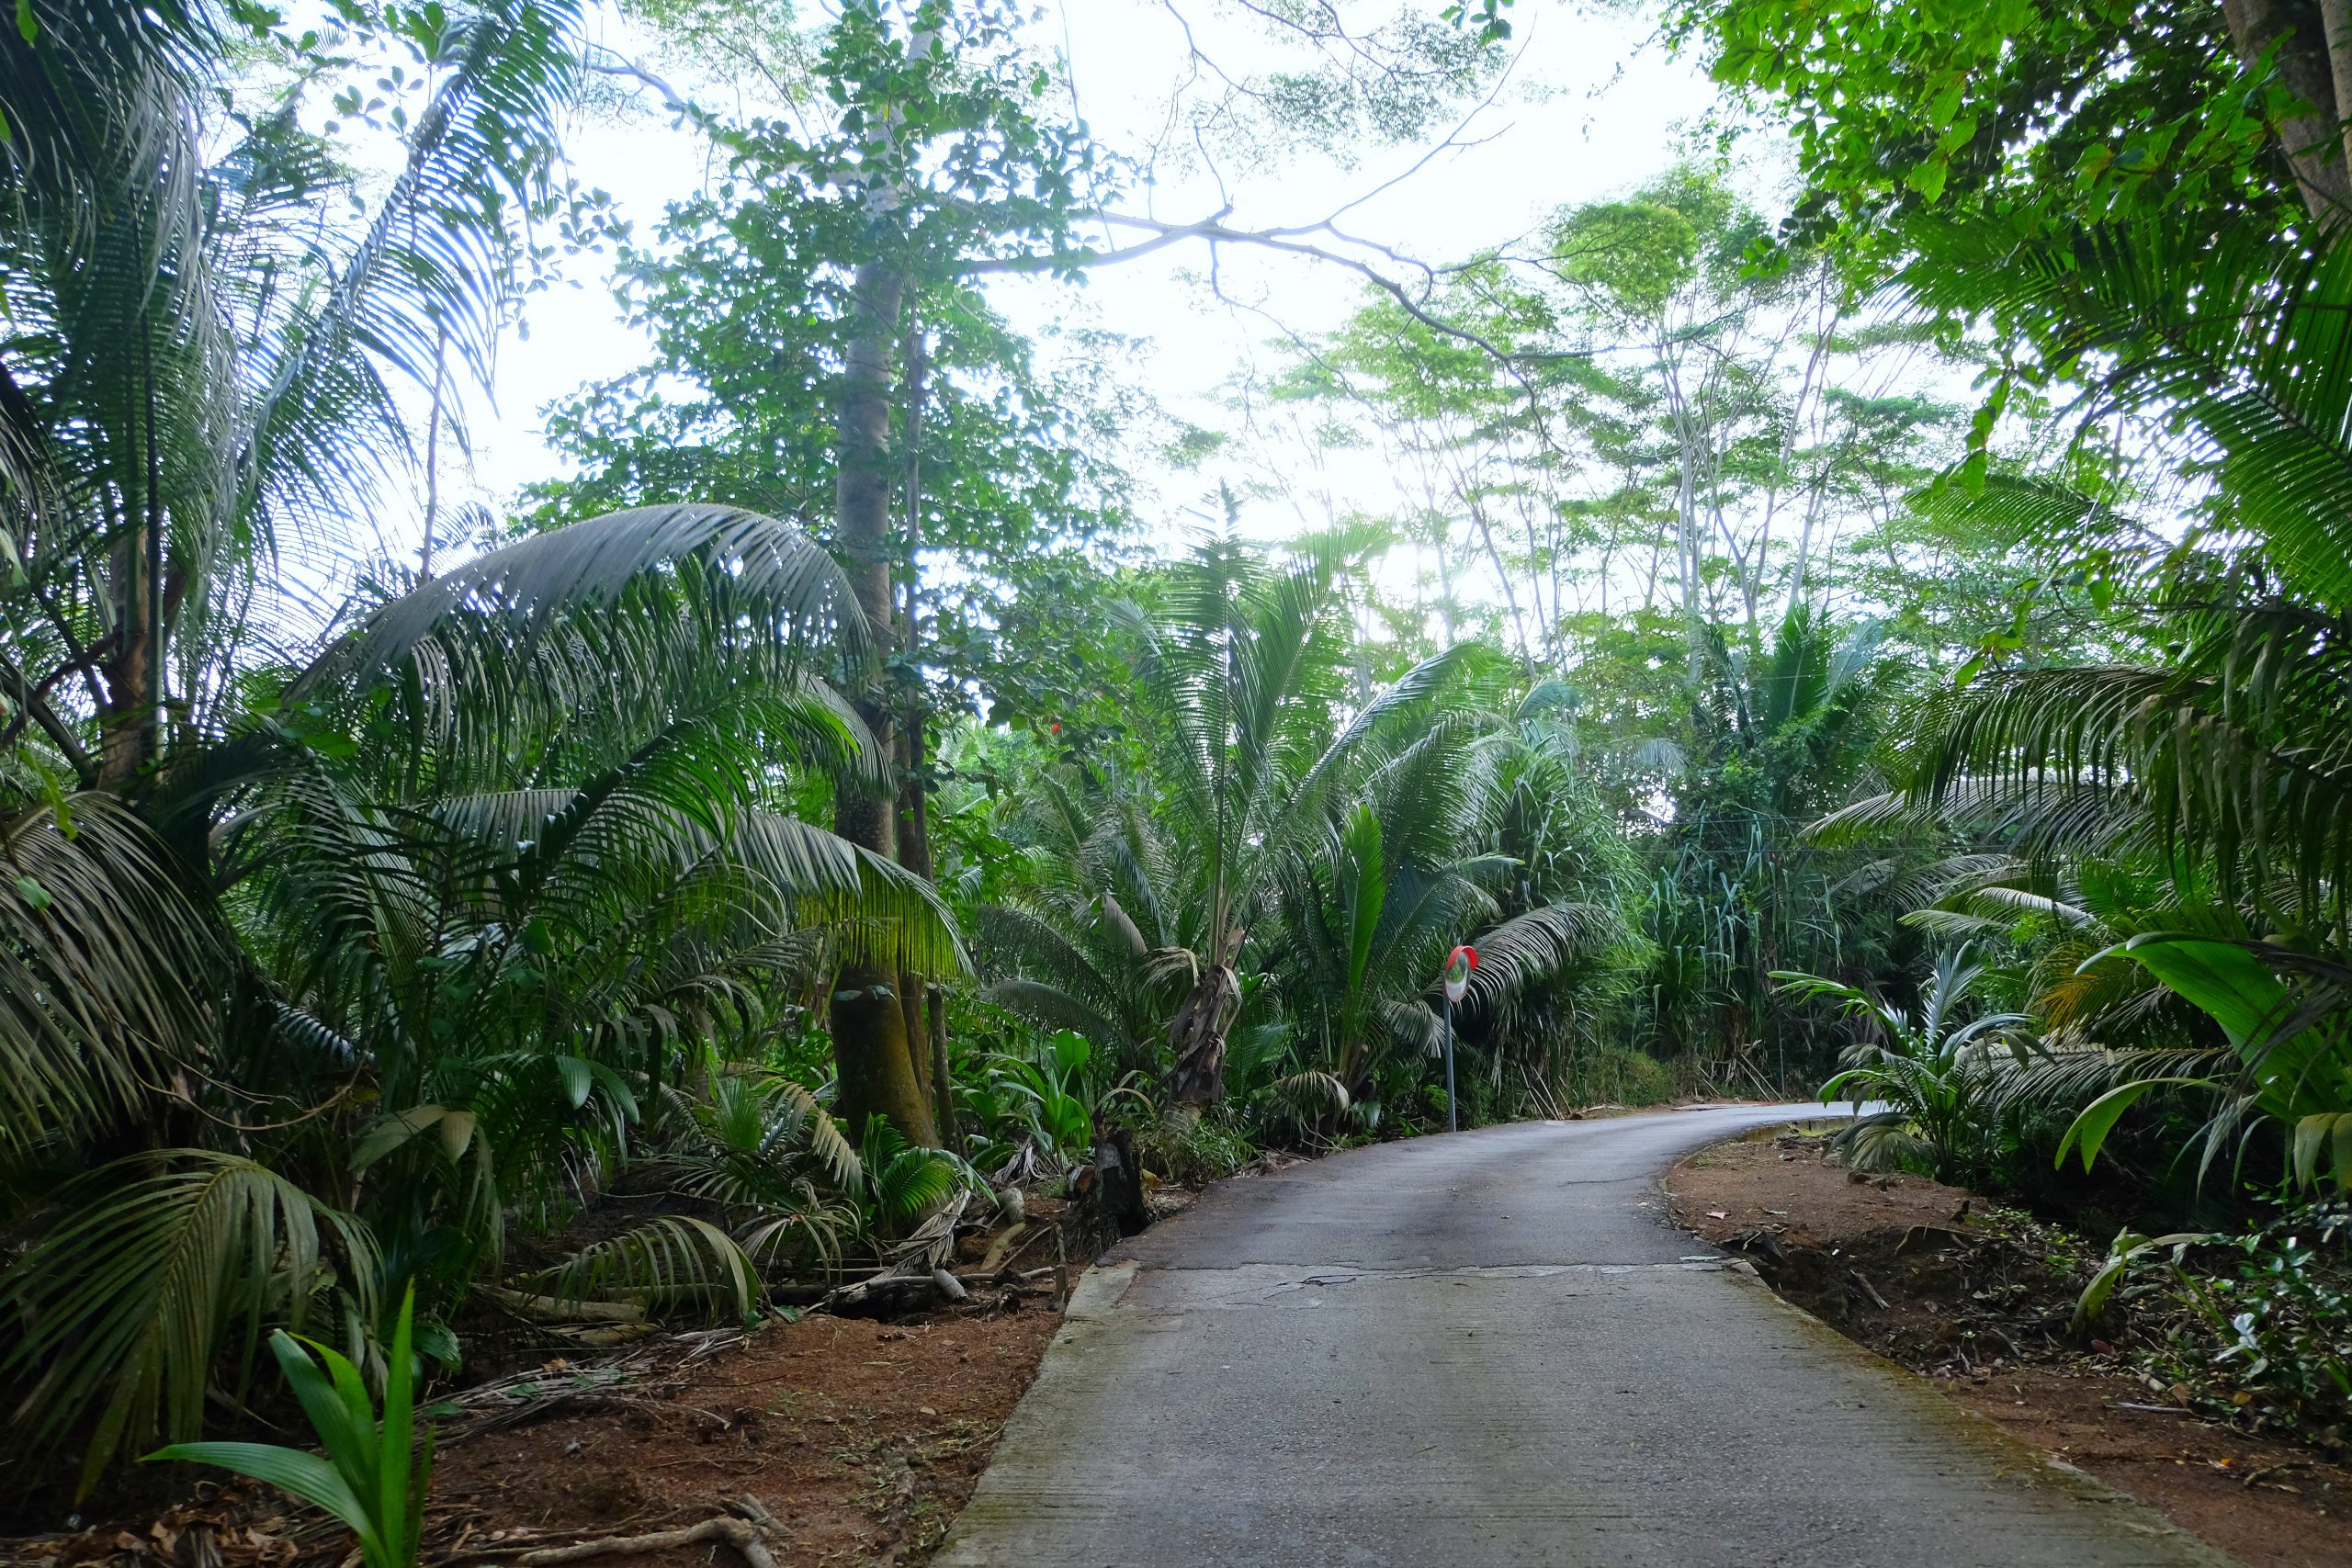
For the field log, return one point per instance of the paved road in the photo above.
(1488, 1349)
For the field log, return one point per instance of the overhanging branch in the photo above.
(1214, 230)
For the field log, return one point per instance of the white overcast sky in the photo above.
(1594, 106)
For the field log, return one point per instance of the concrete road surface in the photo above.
(1488, 1348)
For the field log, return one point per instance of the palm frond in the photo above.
(1050, 1007)
(111, 978)
(155, 1268)
(746, 581)
(873, 906)
(661, 1264)
(2238, 757)
(1538, 945)
(1309, 1093)
(2247, 349)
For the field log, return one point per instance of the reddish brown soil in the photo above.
(861, 1438)
(1923, 1274)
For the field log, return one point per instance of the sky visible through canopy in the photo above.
(1592, 106)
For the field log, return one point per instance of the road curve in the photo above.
(1490, 1348)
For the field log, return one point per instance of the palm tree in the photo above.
(1094, 945)
(1346, 943)
(327, 959)
(1777, 732)
(1242, 684)
(1574, 887)
(198, 378)
(195, 388)
(1400, 877)
(2226, 768)
(507, 865)
(1935, 1071)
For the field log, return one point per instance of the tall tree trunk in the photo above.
(870, 1047)
(130, 724)
(2335, 31)
(1687, 551)
(1197, 1034)
(124, 727)
(2309, 36)
(942, 1075)
(926, 1005)
(914, 854)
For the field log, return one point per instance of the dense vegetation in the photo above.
(1895, 640)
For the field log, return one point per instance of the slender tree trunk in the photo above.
(123, 724)
(870, 1045)
(914, 854)
(1502, 574)
(943, 1077)
(130, 722)
(1197, 1034)
(1686, 514)
(926, 1004)
(433, 455)
(2311, 67)
(2336, 27)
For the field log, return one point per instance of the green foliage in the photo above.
(2014, 118)
(1621, 1076)
(744, 290)
(661, 1263)
(1330, 850)
(153, 1273)
(2294, 1065)
(2127, 1251)
(1196, 1150)
(1051, 1094)
(2255, 1329)
(372, 1478)
(900, 1182)
(94, 913)
(1934, 1071)
(1777, 733)
(1093, 946)
(2210, 760)
(764, 1149)
(1238, 680)
(524, 884)
(208, 375)
(2231, 350)
(507, 887)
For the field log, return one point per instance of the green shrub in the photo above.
(1194, 1151)
(2255, 1326)
(1638, 1078)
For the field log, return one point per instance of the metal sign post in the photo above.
(1458, 965)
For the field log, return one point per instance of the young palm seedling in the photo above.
(371, 1477)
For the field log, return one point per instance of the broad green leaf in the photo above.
(2228, 984)
(291, 1471)
(2324, 1144)
(392, 1131)
(346, 1424)
(457, 1132)
(2099, 1118)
